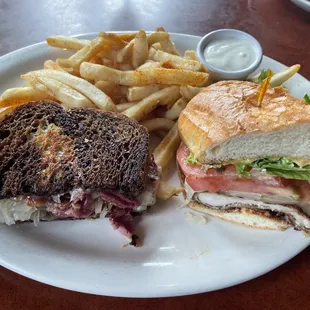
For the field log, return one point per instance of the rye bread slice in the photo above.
(46, 150)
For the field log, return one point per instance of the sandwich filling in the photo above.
(84, 204)
(277, 185)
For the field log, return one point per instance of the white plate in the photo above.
(177, 258)
(303, 4)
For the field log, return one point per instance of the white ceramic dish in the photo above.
(177, 257)
(303, 4)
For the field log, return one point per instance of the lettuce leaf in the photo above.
(282, 167)
(191, 159)
(307, 98)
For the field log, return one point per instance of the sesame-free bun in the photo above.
(224, 124)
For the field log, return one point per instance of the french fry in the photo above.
(109, 63)
(125, 54)
(167, 44)
(155, 124)
(150, 64)
(157, 46)
(105, 86)
(161, 133)
(148, 104)
(166, 191)
(176, 62)
(140, 49)
(64, 64)
(156, 37)
(99, 98)
(96, 60)
(67, 42)
(125, 67)
(165, 151)
(189, 92)
(108, 53)
(139, 93)
(69, 97)
(143, 77)
(127, 36)
(190, 54)
(50, 64)
(176, 109)
(113, 38)
(86, 53)
(282, 76)
(121, 107)
(18, 95)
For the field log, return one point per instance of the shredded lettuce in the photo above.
(282, 167)
(191, 159)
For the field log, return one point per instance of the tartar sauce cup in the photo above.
(229, 54)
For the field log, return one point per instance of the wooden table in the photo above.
(283, 31)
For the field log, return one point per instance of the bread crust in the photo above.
(229, 108)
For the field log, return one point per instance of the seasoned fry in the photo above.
(67, 42)
(99, 98)
(166, 191)
(176, 62)
(161, 133)
(167, 44)
(156, 37)
(140, 49)
(69, 97)
(63, 63)
(148, 104)
(155, 124)
(143, 77)
(157, 46)
(150, 64)
(189, 92)
(190, 54)
(279, 78)
(127, 36)
(96, 60)
(50, 64)
(125, 67)
(139, 93)
(87, 52)
(121, 107)
(282, 76)
(109, 63)
(176, 109)
(165, 151)
(105, 86)
(125, 54)
(108, 53)
(113, 38)
(20, 95)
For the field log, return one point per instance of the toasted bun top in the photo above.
(230, 108)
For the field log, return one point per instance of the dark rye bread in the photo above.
(45, 150)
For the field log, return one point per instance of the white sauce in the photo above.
(230, 54)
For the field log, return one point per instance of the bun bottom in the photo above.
(243, 215)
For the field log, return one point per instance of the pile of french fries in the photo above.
(142, 76)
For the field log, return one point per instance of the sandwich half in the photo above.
(247, 163)
(75, 164)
